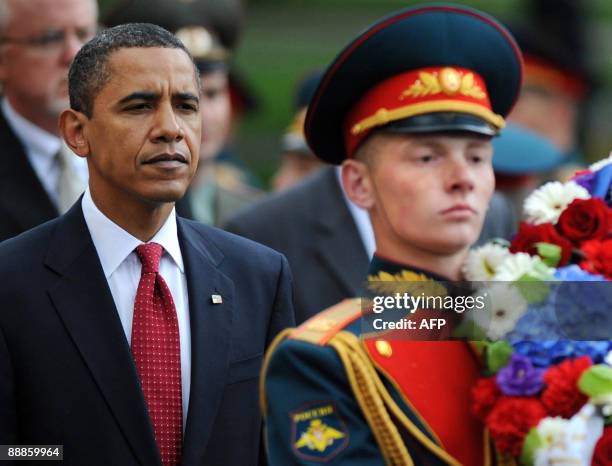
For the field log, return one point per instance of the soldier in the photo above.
(409, 109)
(297, 160)
(220, 188)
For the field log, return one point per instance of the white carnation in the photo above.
(553, 430)
(546, 203)
(569, 441)
(517, 265)
(482, 263)
(504, 307)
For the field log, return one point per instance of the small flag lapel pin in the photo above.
(216, 299)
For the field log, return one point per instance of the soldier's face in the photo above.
(426, 193)
(216, 113)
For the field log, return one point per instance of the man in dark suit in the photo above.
(128, 335)
(327, 245)
(39, 41)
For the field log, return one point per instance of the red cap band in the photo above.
(417, 92)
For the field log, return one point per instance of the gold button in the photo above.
(450, 81)
(321, 325)
(384, 348)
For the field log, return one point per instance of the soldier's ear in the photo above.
(73, 126)
(357, 183)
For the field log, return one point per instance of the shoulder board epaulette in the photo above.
(319, 329)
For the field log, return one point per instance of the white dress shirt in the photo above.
(361, 218)
(116, 250)
(41, 148)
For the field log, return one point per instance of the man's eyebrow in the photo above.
(146, 96)
(186, 96)
(428, 142)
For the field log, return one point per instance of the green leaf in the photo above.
(550, 253)
(469, 330)
(481, 345)
(498, 355)
(533, 441)
(532, 289)
(596, 381)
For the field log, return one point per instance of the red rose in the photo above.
(529, 235)
(510, 421)
(561, 396)
(602, 456)
(485, 394)
(598, 257)
(585, 219)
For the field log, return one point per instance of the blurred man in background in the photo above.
(558, 81)
(39, 177)
(219, 188)
(297, 160)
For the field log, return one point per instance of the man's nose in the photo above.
(460, 175)
(167, 126)
(72, 44)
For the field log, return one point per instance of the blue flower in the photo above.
(583, 309)
(602, 183)
(520, 377)
(539, 323)
(573, 273)
(586, 180)
(547, 353)
(538, 352)
(596, 350)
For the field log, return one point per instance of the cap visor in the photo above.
(441, 122)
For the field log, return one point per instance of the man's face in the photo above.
(216, 113)
(294, 167)
(143, 138)
(428, 192)
(549, 113)
(40, 42)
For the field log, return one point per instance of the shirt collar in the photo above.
(35, 139)
(114, 244)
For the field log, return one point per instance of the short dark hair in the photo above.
(89, 71)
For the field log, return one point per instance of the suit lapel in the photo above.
(210, 338)
(19, 181)
(84, 302)
(338, 243)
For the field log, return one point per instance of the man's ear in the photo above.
(4, 62)
(73, 126)
(357, 183)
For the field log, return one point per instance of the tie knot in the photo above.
(149, 255)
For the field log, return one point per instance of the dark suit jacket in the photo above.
(311, 225)
(66, 371)
(24, 203)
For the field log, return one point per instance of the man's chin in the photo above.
(457, 240)
(165, 197)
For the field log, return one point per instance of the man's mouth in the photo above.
(167, 160)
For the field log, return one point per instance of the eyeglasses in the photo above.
(51, 40)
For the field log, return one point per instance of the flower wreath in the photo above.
(548, 400)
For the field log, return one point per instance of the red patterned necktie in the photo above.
(157, 354)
